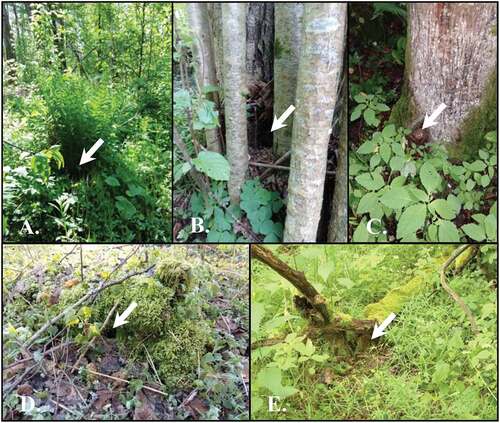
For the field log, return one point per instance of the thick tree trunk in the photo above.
(7, 34)
(235, 87)
(203, 55)
(260, 43)
(320, 68)
(287, 40)
(337, 229)
(451, 59)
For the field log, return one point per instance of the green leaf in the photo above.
(431, 180)
(345, 282)
(441, 372)
(112, 181)
(356, 113)
(325, 269)
(267, 227)
(135, 190)
(361, 234)
(374, 161)
(270, 378)
(396, 163)
(367, 203)
(396, 198)
(212, 164)
(485, 181)
(385, 152)
(476, 232)
(490, 226)
(448, 232)
(367, 147)
(372, 183)
(126, 209)
(370, 118)
(477, 166)
(389, 131)
(445, 209)
(412, 219)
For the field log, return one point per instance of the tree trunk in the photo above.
(287, 40)
(451, 59)
(337, 229)
(260, 43)
(7, 34)
(235, 87)
(141, 43)
(203, 55)
(320, 68)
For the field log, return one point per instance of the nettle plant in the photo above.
(418, 187)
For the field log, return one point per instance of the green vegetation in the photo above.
(188, 332)
(428, 365)
(77, 73)
(407, 188)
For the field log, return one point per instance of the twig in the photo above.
(58, 404)
(92, 292)
(25, 360)
(452, 293)
(66, 255)
(119, 379)
(81, 263)
(295, 277)
(150, 360)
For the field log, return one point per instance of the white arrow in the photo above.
(431, 120)
(278, 123)
(120, 320)
(87, 157)
(379, 330)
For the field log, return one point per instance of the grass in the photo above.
(429, 365)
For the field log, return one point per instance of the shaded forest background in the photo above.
(74, 73)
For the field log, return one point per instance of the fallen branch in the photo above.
(296, 278)
(452, 293)
(119, 379)
(275, 166)
(89, 294)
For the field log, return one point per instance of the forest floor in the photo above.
(80, 368)
(428, 365)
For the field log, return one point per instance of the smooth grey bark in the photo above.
(260, 33)
(287, 40)
(203, 55)
(320, 69)
(451, 59)
(337, 228)
(235, 87)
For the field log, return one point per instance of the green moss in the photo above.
(396, 298)
(478, 123)
(178, 354)
(167, 321)
(176, 275)
(153, 310)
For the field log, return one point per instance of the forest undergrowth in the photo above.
(74, 74)
(411, 188)
(430, 364)
(182, 353)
